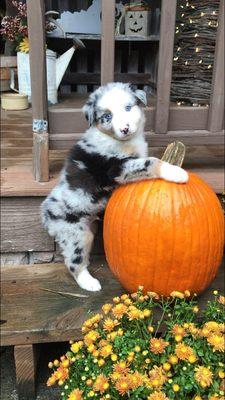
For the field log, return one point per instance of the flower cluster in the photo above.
(147, 347)
(15, 28)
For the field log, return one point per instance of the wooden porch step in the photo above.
(18, 180)
(31, 315)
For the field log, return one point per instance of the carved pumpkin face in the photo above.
(137, 23)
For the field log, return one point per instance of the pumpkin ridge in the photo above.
(197, 218)
(201, 279)
(172, 269)
(110, 231)
(152, 183)
(132, 190)
(186, 193)
(216, 248)
(156, 208)
(119, 261)
(204, 278)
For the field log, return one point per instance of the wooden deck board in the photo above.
(203, 156)
(32, 315)
(17, 177)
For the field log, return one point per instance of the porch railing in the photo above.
(193, 125)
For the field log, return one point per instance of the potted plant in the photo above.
(147, 347)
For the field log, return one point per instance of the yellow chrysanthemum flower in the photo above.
(101, 384)
(103, 342)
(203, 376)
(177, 294)
(109, 324)
(115, 376)
(212, 326)
(122, 367)
(76, 394)
(91, 337)
(106, 308)
(157, 377)
(153, 295)
(157, 396)
(106, 351)
(51, 381)
(183, 352)
(133, 313)
(119, 310)
(112, 335)
(76, 347)
(122, 385)
(178, 330)
(24, 45)
(221, 300)
(136, 380)
(157, 346)
(217, 341)
(124, 297)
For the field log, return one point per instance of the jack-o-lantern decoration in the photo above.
(164, 236)
(137, 23)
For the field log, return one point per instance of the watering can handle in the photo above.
(12, 80)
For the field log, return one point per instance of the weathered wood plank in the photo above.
(22, 229)
(216, 109)
(25, 363)
(139, 78)
(63, 321)
(16, 131)
(49, 324)
(41, 156)
(17, 179)
(71, 119)
(36, 28)
(108, 41)
(200, 137)
(16, 142)
(167, 30)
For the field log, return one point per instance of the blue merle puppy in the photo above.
(112, 152)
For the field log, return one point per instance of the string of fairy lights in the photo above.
(195, 38)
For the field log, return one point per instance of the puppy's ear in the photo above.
(141, 95)
(89, 111)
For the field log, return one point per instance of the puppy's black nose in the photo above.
(125, 130)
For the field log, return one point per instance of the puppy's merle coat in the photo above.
(112, 152)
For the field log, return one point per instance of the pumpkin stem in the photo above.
(174, 153)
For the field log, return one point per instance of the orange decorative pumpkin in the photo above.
(164, 236)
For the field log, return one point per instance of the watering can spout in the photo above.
(62, 62)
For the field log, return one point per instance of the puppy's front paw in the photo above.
(87, 282)
(173, 173)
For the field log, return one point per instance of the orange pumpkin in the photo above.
(164, 236)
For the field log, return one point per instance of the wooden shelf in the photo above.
(124, 38)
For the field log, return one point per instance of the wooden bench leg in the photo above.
(25, 362)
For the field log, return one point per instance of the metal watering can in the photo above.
(56, 68)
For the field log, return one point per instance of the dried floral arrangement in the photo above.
(15, 29)
(147, 347)
(195, 39)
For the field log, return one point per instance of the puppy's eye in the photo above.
(107, 116)
(128, 107)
